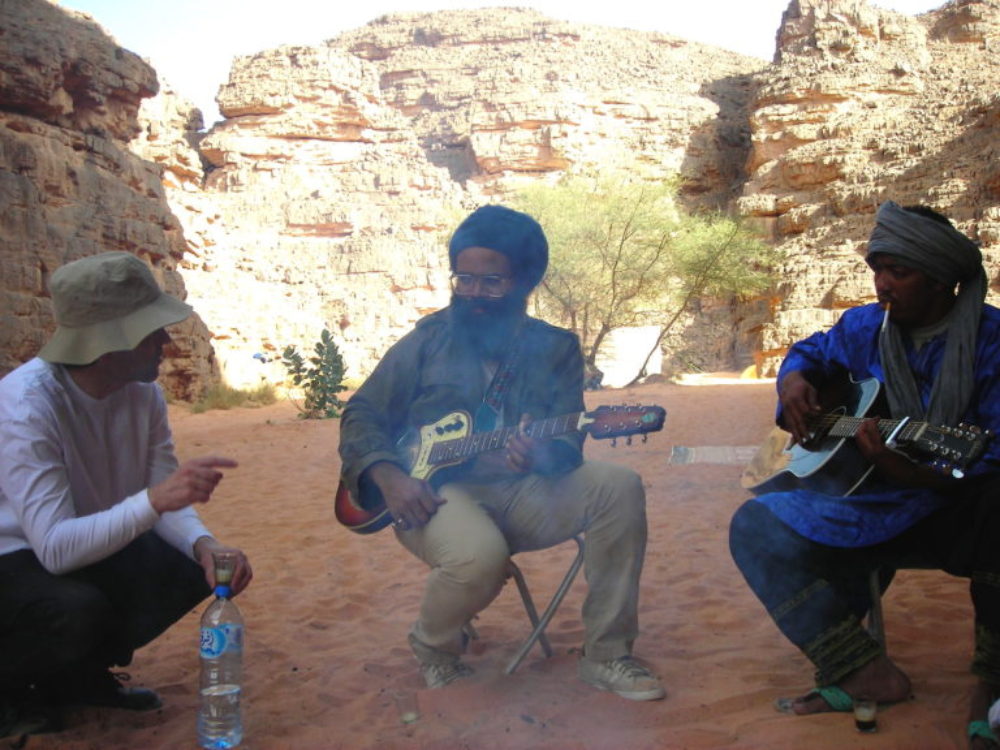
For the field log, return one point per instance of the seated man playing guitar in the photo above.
(808, 554)
(483, 357)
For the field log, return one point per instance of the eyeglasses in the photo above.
(489, 285)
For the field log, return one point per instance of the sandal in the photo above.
(981, 728)
(835, 698)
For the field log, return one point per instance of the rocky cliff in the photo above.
(865, 105)
(339, 170)
(69, 186)
(325, 196)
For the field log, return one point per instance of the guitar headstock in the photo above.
(955, 447)
(616, 421)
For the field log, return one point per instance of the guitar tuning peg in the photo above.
(645, 437)
(628, 440)
(614, 442)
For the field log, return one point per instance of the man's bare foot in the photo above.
(983, 696)
(879, 680)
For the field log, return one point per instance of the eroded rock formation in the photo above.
(69, 186)
(867, 105)
(325, 197)
(340, 169)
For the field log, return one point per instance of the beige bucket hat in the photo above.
(106, 303)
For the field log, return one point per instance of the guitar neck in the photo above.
(450, 451)
(847, 427)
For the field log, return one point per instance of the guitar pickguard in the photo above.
(834, 466)
(416, 449)
(831, 465)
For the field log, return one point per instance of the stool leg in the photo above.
(529, 607)
(876, 623)
(540, 623)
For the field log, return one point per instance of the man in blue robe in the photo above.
(934, 345)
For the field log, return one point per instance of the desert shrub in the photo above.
(321, 377)
(223, 396)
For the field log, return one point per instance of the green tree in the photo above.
(624, 254)
(322, 378)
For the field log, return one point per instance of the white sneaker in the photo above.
(439, 675)
(623, 676)
(438, 667)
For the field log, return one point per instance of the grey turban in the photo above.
(949, 257)
(937, 249)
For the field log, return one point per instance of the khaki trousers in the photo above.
(468, 541)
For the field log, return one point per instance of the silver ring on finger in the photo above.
(402, 524)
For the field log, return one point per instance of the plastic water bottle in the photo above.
(220, 723)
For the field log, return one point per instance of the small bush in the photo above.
(222, 396)
(321, 379)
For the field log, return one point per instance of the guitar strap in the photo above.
(488, 415)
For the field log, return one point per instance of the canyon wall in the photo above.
(866, 105)
(326, 195)
(340, 170)
(70, 186)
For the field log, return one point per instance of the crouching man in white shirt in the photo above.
(100, 547)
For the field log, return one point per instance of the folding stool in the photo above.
(876, 622)
(540, 623)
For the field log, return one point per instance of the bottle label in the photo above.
(219, 640)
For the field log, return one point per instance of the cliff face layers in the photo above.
(69, 186)
(340, 170)
(325, 197)
(866, 105)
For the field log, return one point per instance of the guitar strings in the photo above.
(850, 425)
(478, 442)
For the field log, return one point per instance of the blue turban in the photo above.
(510, 232)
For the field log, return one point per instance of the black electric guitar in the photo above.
(831, 463)
(450, 441)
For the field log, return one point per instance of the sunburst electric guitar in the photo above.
(831, 463)
(450, 441)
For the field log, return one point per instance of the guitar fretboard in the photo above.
(449, 451)
(833, 425)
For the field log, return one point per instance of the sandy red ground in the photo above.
(327, 664)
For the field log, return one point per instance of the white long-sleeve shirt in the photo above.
(75, 470)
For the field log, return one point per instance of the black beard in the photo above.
(486, 324)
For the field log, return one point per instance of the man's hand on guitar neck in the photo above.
(799, 401)
(411, 502)
(518, 455)
(893, 465)
(520, 449)
(523, 452)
